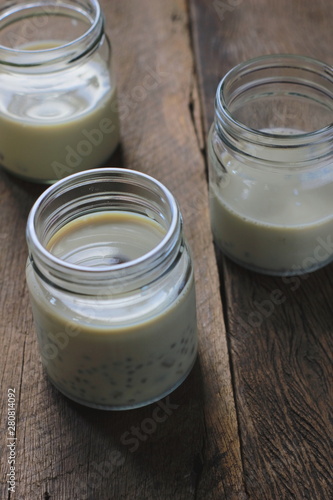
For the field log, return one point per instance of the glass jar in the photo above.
(112, 290)
(58, 109)
(271, 165)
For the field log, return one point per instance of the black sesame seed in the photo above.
(167, 363)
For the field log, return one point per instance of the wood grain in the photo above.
(281, 353)
(227, 32)
(65, 451)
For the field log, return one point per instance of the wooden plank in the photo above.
(227, 32)
(280, 353)
(65, 450)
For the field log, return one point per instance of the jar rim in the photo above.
(105, 272)
(70, 50)
(261, 137)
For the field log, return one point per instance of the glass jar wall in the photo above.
(271, 165)
(58, 109)
(112, 289)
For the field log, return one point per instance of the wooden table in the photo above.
(252, 419)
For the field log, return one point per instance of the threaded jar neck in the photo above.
(100, 190)
(73, 29)
(277, 109)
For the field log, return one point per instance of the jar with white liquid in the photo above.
(58, 109)
(271, 165)
(112, 290)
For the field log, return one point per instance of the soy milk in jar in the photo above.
(271, 165)
(112, 290)
(58, 108)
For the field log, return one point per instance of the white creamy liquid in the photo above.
(124, 353)
(275, 225)
(53, 125)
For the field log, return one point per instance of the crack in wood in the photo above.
(199, 461)
(197, 468)
(198, 121)
(193, 101)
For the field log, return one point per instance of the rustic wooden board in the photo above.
(281, 353)
(227, 32)
(65, 451)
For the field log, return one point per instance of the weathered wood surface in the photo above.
(66, 451)
(280, 351)
(273, 369)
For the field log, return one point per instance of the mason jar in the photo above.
(271, 165)
(112, 291)
(58, 109)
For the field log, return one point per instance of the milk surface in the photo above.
(53, 125)
(120, 354)
(106, 238)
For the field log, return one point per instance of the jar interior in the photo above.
(101, 195)
(281, 100)
(41, 26)
(107, 193)
(106, 238)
